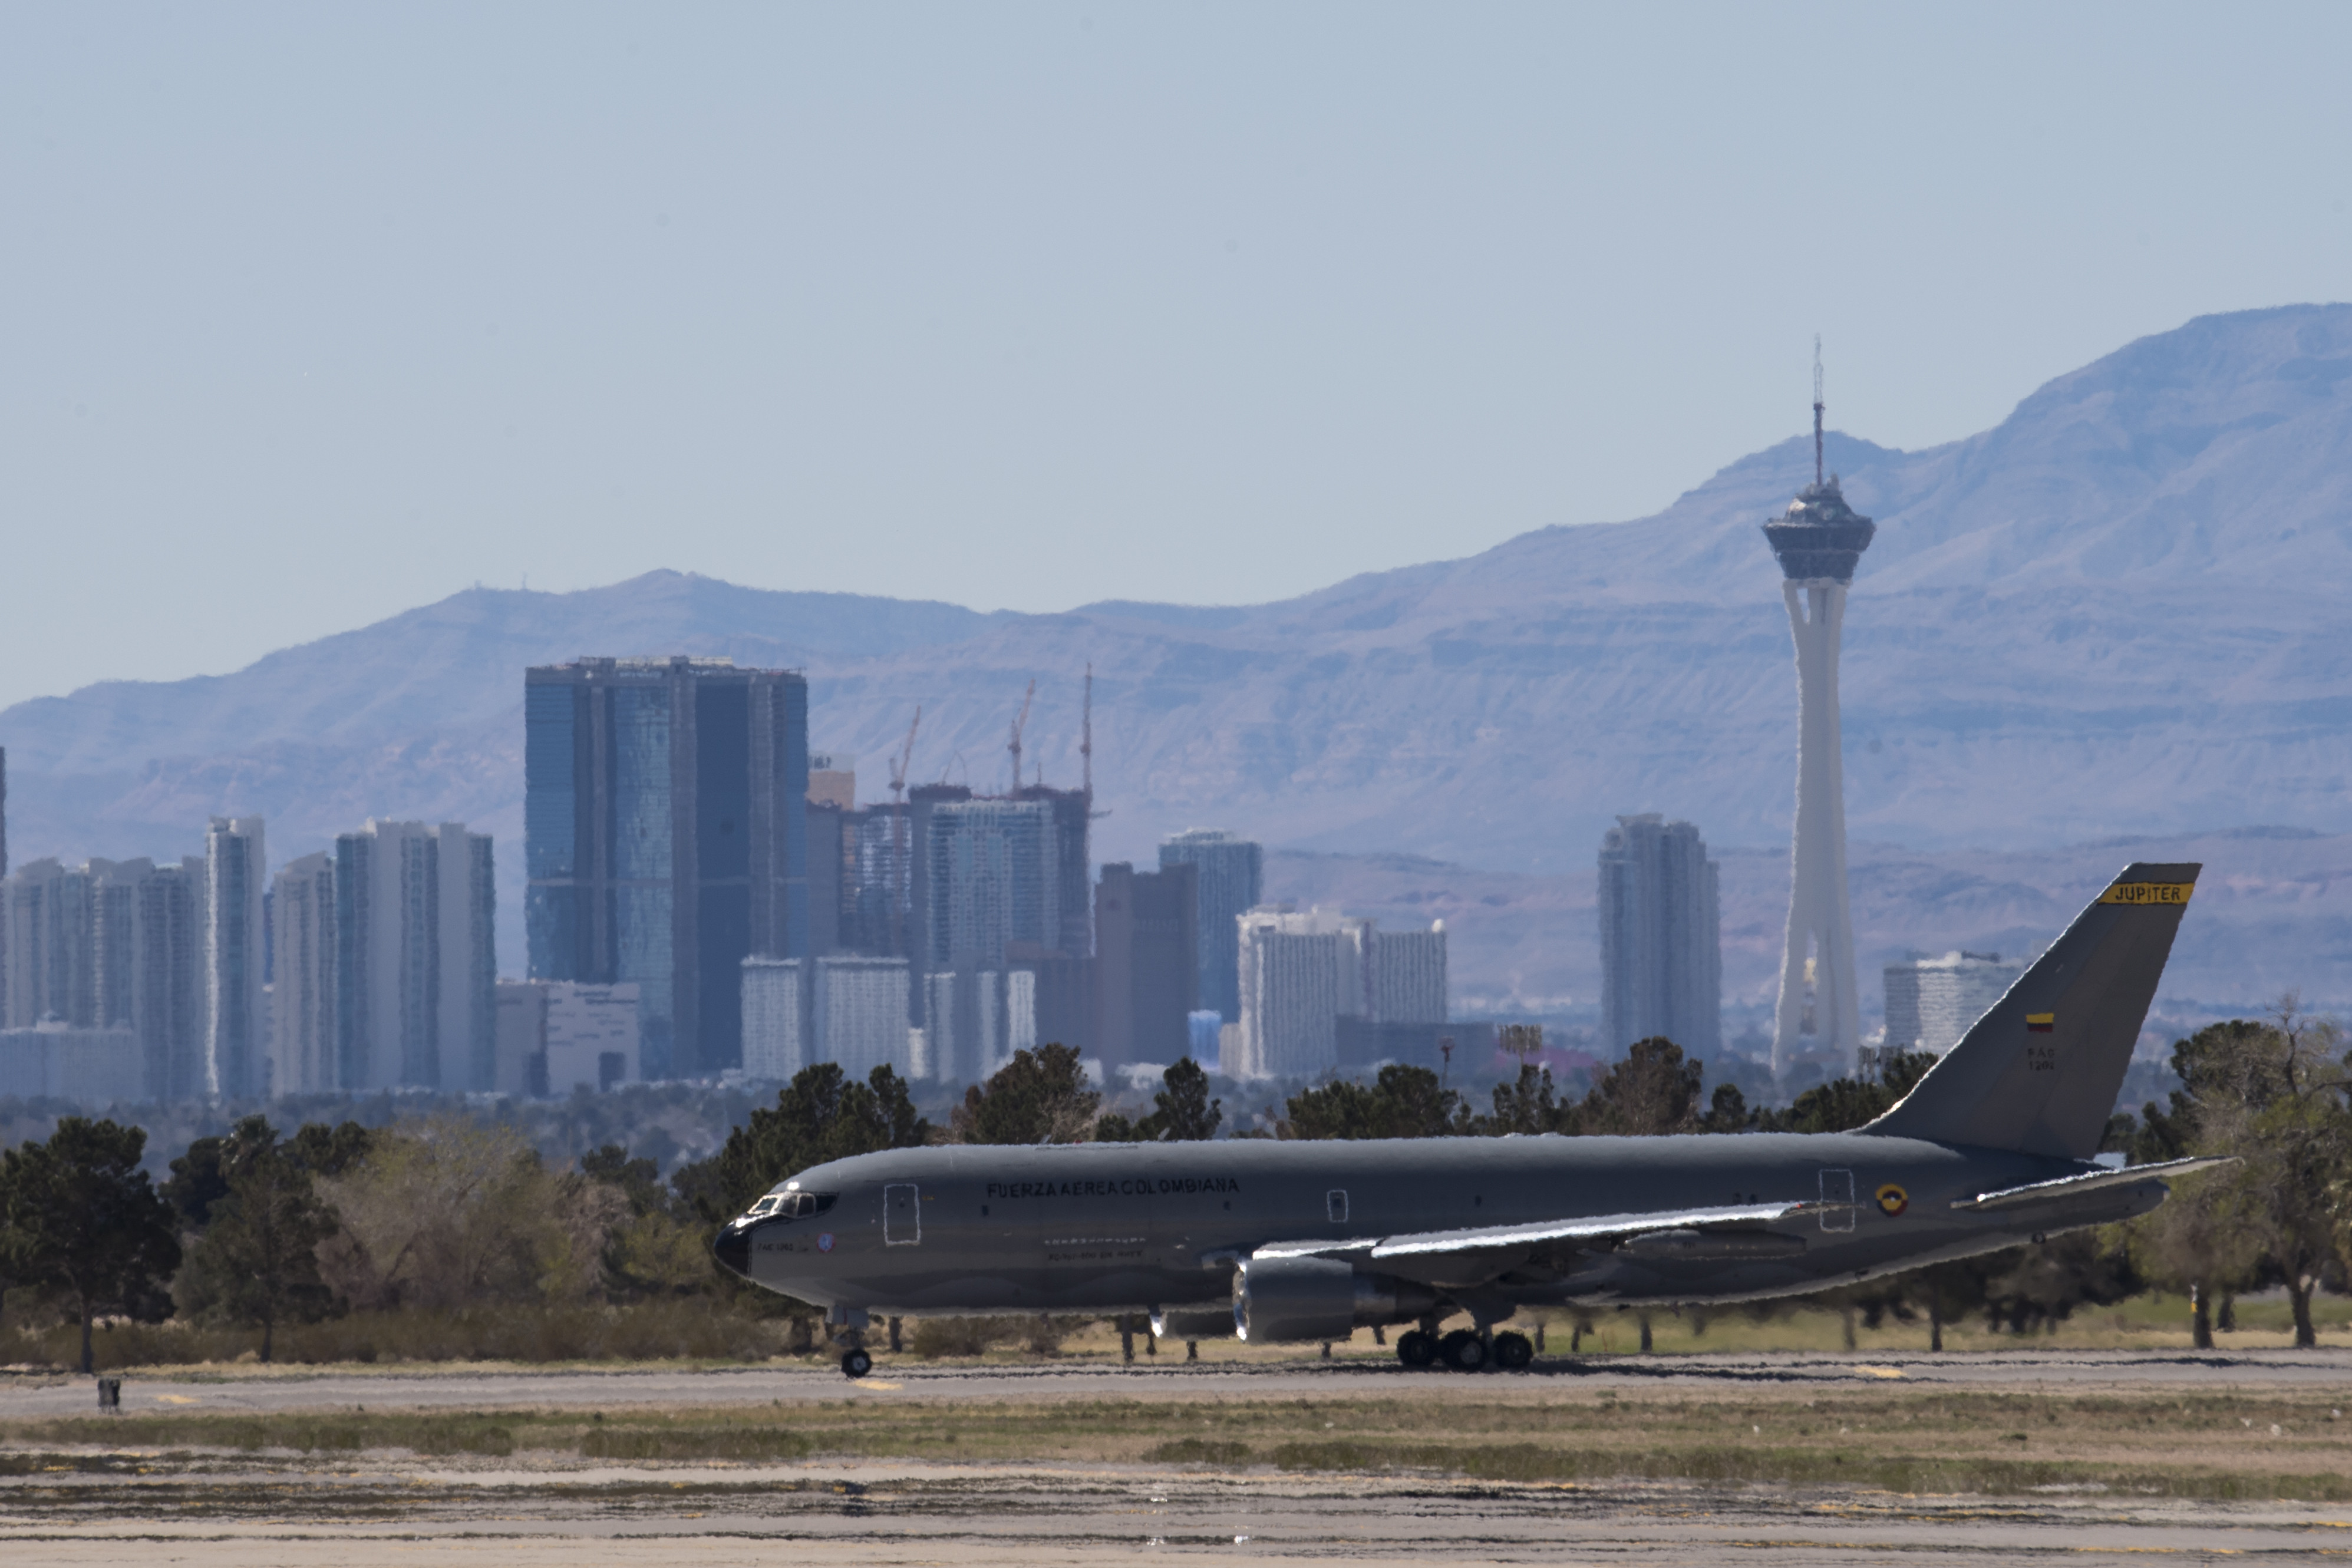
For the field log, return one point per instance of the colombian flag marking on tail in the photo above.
(2041, 1023)
(2148, 892)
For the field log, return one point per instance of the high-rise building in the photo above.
(1146, 962)
(1932, 1002)
(1230, 871)
(1818, 540)
(858, 1013)
(1071, 812)
(237, 1021)
(1292, 973)
(776, 1024)
(1305, 975)
(416, 960)
(305, 1054)
(43, 904)
(844, 1008)
(167, 997)
(1661, 936)
(666, 832)
(995, 878)
(57, 1060)
(112, 945)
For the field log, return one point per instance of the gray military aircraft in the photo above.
(1305, 1241)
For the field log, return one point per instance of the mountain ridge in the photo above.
(2114, 612)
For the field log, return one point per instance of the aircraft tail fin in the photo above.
(2040, 1072)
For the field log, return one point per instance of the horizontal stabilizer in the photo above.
(2089, 1181)
(1492, 1237)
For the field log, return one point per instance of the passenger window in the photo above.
(1336, 1202)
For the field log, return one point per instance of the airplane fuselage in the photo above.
(1132, 1227)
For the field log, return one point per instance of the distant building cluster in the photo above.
(370, 966)
(704, 896)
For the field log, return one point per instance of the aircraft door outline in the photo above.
(1837, 1200)
(902, 1215)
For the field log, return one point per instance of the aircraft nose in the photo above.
(733, 1249)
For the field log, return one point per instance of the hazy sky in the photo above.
(309, 314)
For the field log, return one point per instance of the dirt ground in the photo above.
(2140, 1457)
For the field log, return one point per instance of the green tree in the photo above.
(325, 1151)
(1038, 1097)
(822, 1115)
(660, 1247)
(1182, 1111)
(2274, 1094)
(1844, 1103)
(2284, 1112)
(1655, 1090)
(1528, 1105)
(257, 1261)
(1401, 1101)
(78, 1215)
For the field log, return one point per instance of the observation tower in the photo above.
(1818, 540)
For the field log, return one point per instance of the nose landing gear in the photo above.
(856, 1362)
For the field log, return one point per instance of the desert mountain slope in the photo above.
(2118, 612)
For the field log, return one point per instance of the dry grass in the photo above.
(2213, 1444)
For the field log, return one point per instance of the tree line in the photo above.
(259, 1230)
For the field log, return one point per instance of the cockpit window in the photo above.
(790, 1205)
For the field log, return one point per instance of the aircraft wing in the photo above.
(1435, 1246)
(2089, 1181)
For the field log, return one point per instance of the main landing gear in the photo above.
(856, 1362)
(1466, 1350)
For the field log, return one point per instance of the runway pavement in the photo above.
(873, 1513)
(259, 1389)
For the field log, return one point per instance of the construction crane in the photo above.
(899, 849)
(906, 755)
(1020, 724)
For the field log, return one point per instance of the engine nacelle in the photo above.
(1192, 1323)
(1277, 1298)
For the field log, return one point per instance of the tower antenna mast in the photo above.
(1086, 735)
(1817, 408)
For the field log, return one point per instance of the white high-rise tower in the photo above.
(1818, 540)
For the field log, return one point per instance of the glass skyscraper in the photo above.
(1661, 936)
(1231, 870)
(664, 826)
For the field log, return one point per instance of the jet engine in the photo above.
(1192, 1323)
(1317, 1299)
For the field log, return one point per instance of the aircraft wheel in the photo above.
(1462, 1350)
(1416, 1349)
(857, 1363)
(1514, 1352)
